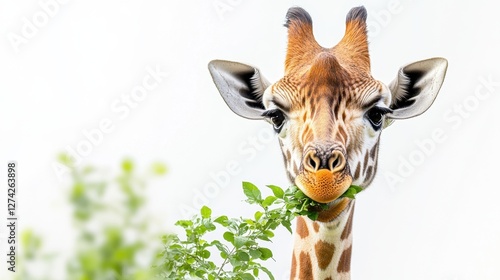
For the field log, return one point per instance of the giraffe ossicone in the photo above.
(328, 112)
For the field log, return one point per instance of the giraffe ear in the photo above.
(415, 88)
(241, 86)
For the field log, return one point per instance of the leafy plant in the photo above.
(107, 213)
(239, 250)
(104, 248)
(32, 252)
(113, 231)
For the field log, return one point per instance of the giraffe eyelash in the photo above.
(271, 113)
(383, 110)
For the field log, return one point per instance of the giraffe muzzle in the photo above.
(315, 160)
(325, 175)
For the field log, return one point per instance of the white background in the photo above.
(440, 221)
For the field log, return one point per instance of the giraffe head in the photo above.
(327, 110)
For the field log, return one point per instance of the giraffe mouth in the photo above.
(323, 186)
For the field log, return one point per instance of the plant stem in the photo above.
(225, 261)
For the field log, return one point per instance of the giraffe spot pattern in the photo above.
(295, 168)
(348, 226)
(294, 267)
(305, 268)
(302, 229)
(316, 226)
(324, 253)
(345, 261)
(365, 163)
(369, 174)
(290, 177)
(373, 152)
(358, 169)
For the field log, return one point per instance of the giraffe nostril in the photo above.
(332, 161)
(312, 163)
(336, 161)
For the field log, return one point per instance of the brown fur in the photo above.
(345, 261)
(348, 227)
(334, 211)
(316, 226)
(305, 266)
(350, 53)
(294, 266)
(302, 230)
(324, 253)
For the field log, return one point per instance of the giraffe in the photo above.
(328, 113)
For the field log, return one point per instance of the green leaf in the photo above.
(269, 233)
(299, 194)
(349, 193)
(258, 215)
(252, 192)
(313, 215)
(287, 225)
(263, 237)
(184, 223)
(205, 212)
(223, 255)
(266, 253)
(222, 220)
(269, 274)
(200, 273)
(357, 188)
(239, 241)
(247, 276)
(228, 236)
(277, 191)
(268, 201)
(250, 222)
(352, 191)
(205, 254)
(243, 256)
(219, 246)
(127, 166)
(65, 159)
(255, 254)
(159, 168)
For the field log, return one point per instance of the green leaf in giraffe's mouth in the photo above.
(351, 192)
(305, 206)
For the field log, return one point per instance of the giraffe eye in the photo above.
(276, 117)
(375, 116)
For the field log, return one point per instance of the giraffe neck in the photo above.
(322, 249)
